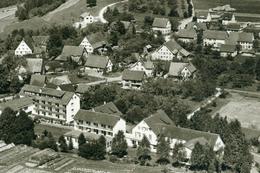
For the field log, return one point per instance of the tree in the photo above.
(93, 150)
(16, 129)
(70, 144)
(178, 153)
(163, 150)
(257, 69)
(119, 145)
(91, 3)
(63, 144)
(144, 151)
(4, 82)
(81, 139)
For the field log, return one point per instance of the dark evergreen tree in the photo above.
(81, 139)
(119, 145)
(163, 150)
(63, 144)
(144, 150)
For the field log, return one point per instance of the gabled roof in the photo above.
(67, 87)
(23, 42)
(185, 134)
(60, 80)
(176, 68)
(97, 117)
(233, 26)
(214, 34)
(109, 108)
(148, 65)
(86, 14)
(160, 22)
(199, 26)
(227, 48)
(82, 88)
(62, 97)
(34, 65)
(17, 104)
(97, 61)
(187, 33)
(174, 47)
(38, 80)
(68, 51)
(236, 37)
(202, 14)
(191, 143)
(133, 75)
(160, 117)
(97, 39)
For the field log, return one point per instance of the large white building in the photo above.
(243, 39)
(170, 50)
(23, 49)
(162, 25)
(85, 19)
(160, 124)
(51, 105)
(93, 123)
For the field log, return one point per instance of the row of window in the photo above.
(81, 122)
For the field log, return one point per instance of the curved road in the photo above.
(104, 9)
(184, 22)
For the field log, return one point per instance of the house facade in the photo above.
(132, 79)
(74, 53)
(23, 49)
(203, 17)
(98, 64)
(228, 18)
(170, 50)
(146, 66)
(228, 50)
(187, 35)
(52, 106)
(85, 19)
(214, 38)
(86, 44)
(243, 39)
(21, 104)
(181, 70)
(162, 25)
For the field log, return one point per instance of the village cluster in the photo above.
(56, 101)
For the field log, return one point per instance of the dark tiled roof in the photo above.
(133, 75)
(67, 87)
(160, 117)
(187, 33)
(97, 117)
(214, 34)
(97, 61)
(68, 51)
(233, 26)
(160, 22)
(227, 48)
(235, 37)
(38, 80)
(174, 47)
(109, 108)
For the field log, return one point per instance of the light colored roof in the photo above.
(160, 117)
(60, 80)
(200, 26)
(82, 88)
(227, 48)
(62, 97)
(185, 133)
(69, 51)
(97, 61)
(133, 75)
(214, 34)
(17, 104)
(86, 14)
(148, 65)
(187, 33)
(34, 65)
(89, 136)
(109, 108)
(97, 117)
(160, 22)
(97, 39)
(38, 80)
(191, 143)
(174, 47)
(202, 14)
(176, 68)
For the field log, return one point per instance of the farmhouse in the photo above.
(146, 66)
(85, 19)
(74, 53)
(99, 123)
(203, 16)
(94, 42)
(187, 35)
(52, 106)
(228, 50)
(23, 49)
(244, 39)
(21, 104)
(170, 50)
(162, 25)
(181, 70)
(98, 64)
(214, 38)
(233, 27)
(132, 79)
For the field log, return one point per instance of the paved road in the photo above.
(244, 92)
(8, 11)
(104, 9)
(184, 22)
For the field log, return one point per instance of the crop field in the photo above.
(245, 109)
(242, 6)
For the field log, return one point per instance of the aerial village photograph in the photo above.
(129, 86)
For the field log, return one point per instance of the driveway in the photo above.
(184, 22)
(104, 9)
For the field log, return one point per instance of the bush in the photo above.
(113, 159)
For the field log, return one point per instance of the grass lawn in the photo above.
(242, 6)
(71, 14)
(56, 131)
